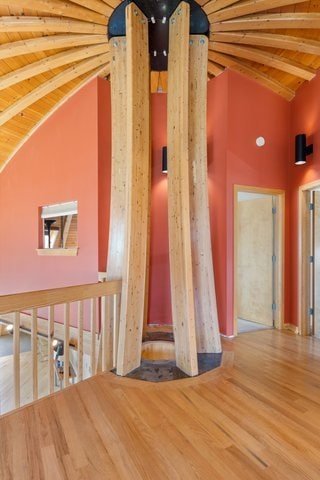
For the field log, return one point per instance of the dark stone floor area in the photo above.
(167, 370)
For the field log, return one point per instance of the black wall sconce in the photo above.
(302, 150)
(164, 160)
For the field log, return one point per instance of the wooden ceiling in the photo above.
(50, 48)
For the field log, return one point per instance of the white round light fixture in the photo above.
(260, 141)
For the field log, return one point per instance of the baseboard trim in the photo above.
(293, 328)
(227, 336)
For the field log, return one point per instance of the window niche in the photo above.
(59, 229)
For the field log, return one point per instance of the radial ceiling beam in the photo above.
(63, 9)
(112, 3)
(48, 25)
(96, 6)
(215, 69)
(100, 71)
(52, 84)
(249, 7)
(285, 42)
(52, 42)
(269, 21)
(51, 62)
(241, 67)
(266, 58)
(216, 5)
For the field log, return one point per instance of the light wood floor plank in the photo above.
(258, 417)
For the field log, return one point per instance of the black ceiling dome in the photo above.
(159, 11)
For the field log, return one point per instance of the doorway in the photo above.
(309, 268)
(258, 259)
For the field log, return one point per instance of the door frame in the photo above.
(304, 242)
(279, 195)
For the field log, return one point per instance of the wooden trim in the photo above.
(303, 256)
(292, 328)
(279, 246)
(42, 298)
(57, 252)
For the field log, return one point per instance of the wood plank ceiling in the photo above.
(50, 48)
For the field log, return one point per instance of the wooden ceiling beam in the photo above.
(269, 21)
(285, 42)
(52, 84)
(96, 6)
(241, 67)
(49, 63)
(62, 9)
(249, 7)
(216, 5)
(214, 68)
(51, 42)
(112, 3)
(100, 71)
(266, 58)
(48, 24)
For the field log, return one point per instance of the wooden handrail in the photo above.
(21, 310)
(24, 301)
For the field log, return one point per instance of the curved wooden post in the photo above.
(207, 329)
(137, 199)
(183, 316)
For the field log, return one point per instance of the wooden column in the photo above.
(183, 314)
(207, 330)
(137, 199)
(118, 217)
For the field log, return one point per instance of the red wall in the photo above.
(58, 163)
(68, 158)
(244, 111)
(305, 119)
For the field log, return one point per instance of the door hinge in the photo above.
(274, 210)
(274, 258)
(311, 259)
(274, 306)
(311, 206)
(311, 311)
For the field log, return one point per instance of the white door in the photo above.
(255, 258)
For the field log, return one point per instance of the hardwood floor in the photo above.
(258, 417)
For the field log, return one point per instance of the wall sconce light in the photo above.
(164, 160)
(302, 150)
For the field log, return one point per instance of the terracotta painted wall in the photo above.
(239, 111)
(58, 163)
(305, 119)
